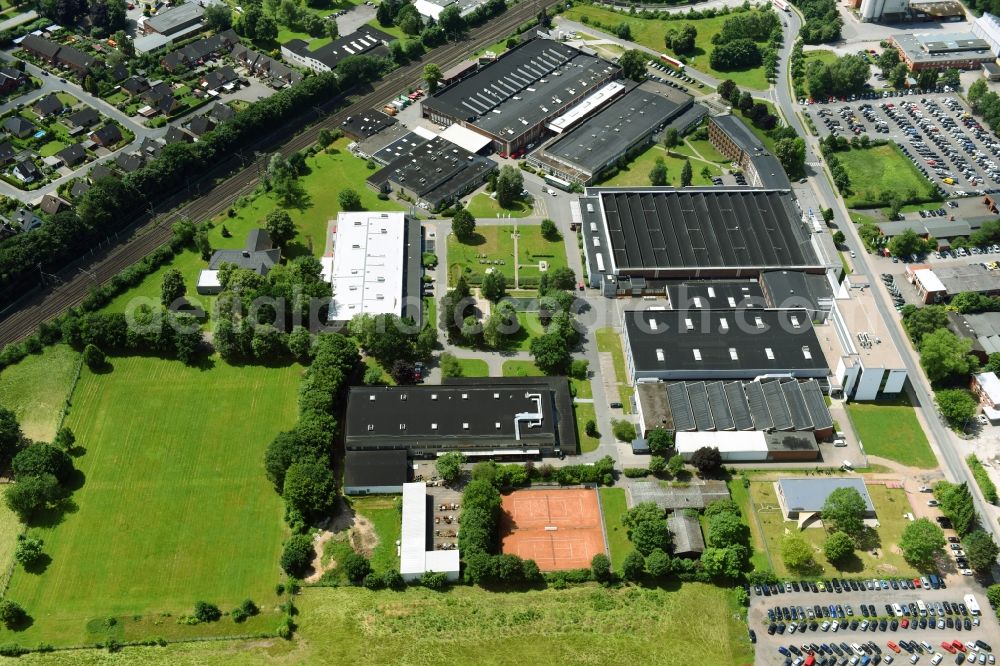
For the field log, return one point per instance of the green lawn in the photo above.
(371, 362)
(521, 369)
(707, 150)
(889, 429)
(392, 30)
(10, 528)
(384, 513)
(582, 387)
(584, 412)
(473, 367)
(882, 558)
(637, 171)
(482, 206)
(741, 495)
(67, 99)
(330, 172)
(496, 243)
(609, 341)
(175, 506)
(50, 148)
(825, 56)
(613, 506)
(650, 33)
(765, 138)
(879, 171)
(36, 389)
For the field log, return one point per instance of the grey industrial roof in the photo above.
(367, 123)
(522, 88)
(957, 278)
(375, 468)
(756, 405)
(686, 533)
(943, 47)
(175, 18)
(668, 228)
(364, 40)
(796, 289)
(768, 167)
(602, 136)
(715, 294)
(437, 171)
(782, 341)
(256, 255)
(692, 496)
(937, 227)
(399, 148)
(810, 494)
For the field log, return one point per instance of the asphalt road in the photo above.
(942, 439)
(203, 200)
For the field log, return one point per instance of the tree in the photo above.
(838, 237)
(951, 77)
(310, 489)
(658, 174)
(993, 361)
(908, 242)
(218, 17)
(796, 553)
(722, 506)
(549, 230)
(600, 567)
(686, 174)
(452, 22)
(28, 552)
(707, 460)
(918, 322)
(728, 90)
(981, 550)
(726, 529)
(675, 465)
(657, 563)
(624, 431)
(792, 155)
(65, 439)
(838, 546)
(844, 511)
(12, 614)
(649, 535)
(349, 200)
(958, 406)
(463, 224)
(634, 566)
(921, 541)
(633, 64)
(927, 79)
(41, 458)
(551, 354)
(32, 494)
(449, 466)
(94, 358)
(945, 356)
(898, 76)
(739, 54)
(297, 555)
(661, 442)
(11, 436)
(433, 76)
(672, 138)
(280, 227)
(993, 595)
(957, 505)
(494, 285)
(206, 612)
(510, 184)
(887, 61)
(332, 30)
(356, 567)
(172, 288)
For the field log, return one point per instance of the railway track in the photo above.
(153, 229)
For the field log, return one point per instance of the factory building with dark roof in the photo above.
(736, 141)
(492, 417)
(621, 128)
(636, 239)
(512, 99)
(721, 344)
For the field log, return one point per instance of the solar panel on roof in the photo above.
(738, 406)
(680, 407)
(699, 405)
(797, 405)
(776, 405)
(719, 403)
(818, 411)
(758, 406)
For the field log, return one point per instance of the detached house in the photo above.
(107, 136)
(48, 106)
(18, 126)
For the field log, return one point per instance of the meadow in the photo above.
(497, 244)
(890, 429)
(36, 389)
(880, 171)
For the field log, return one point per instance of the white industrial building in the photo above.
(369, 270)
(414, 558)
(750, 446)
(987, 28)
(859, 348)
(433, 8)
(940, 11)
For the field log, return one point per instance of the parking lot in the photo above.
(862, 615)
(936, 131)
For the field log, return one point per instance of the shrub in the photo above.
(356, 567)
(623, 430)
(297, 556)
(206, 612)
(434, 581)
(600, 567)
(12, 614)
(635, 472)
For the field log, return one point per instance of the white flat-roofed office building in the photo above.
(414, 558)
(370, 269)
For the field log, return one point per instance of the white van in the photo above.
(922, 608)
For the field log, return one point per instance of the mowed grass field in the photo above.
(175, 506)
(650, 33)
(890, 505)
(890, 429)
(36, 389)
(879, 171)
(613, 506)
(482, 206)
(637, 171)
(497, 244)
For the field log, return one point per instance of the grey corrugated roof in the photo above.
(686, 532)
(818, 411)
(699, 403)
(797, 405)
(758, 406)
(738, 406)
(680, 407)
(776, 405)
(720, 406)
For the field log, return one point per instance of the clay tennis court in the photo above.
(558, 529)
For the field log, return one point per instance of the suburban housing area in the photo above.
(485, 332)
